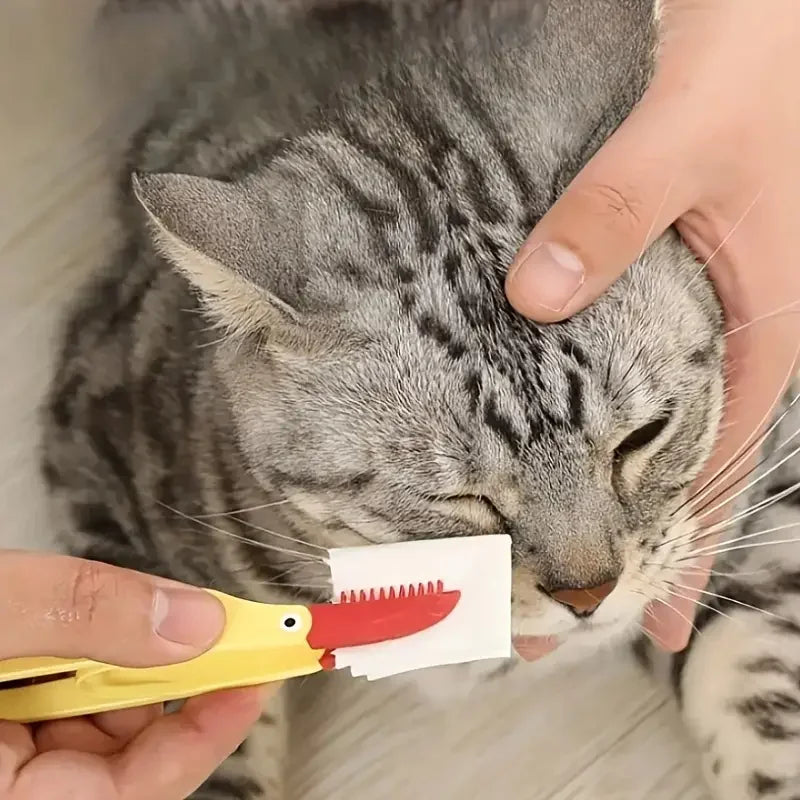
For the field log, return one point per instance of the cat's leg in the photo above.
(739, 681)
(256, 770)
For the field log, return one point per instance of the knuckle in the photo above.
(621, 205)
(91, 583)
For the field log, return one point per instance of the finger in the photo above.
(763, 351)
(61, 774)
(175, 754)
(622, 200)
(16, 749)
(127, 724)
(101, 734)
(59, 606)
(670, 622)
(532, 648)
(77, 734)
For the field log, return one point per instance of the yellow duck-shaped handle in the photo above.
(261, 643)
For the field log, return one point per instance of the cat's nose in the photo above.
(583, 601)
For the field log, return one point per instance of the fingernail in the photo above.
(550, 276)
(187, 617)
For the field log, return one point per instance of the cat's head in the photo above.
(382, 382)
(377, 374)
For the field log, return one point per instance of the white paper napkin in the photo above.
(478, 628)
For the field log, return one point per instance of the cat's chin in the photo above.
(452, 684)
(583, 636)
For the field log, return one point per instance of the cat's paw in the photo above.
(740, 694)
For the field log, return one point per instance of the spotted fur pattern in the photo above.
(304, 334)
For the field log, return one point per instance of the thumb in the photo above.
(54, 605)
(626, 196)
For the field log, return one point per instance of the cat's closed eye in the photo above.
(641, 437)
(469, 505)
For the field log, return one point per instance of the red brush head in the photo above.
(369, 617)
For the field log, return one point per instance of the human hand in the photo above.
(58, 606)
(713, 147)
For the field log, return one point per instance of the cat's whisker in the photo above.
(721, 526)
(243, 539)
(199, 312)
(281, 584)
(728, 599)
(757, 534)
(657, 597)
(702, 571)
(653, 637)
(731, 548)
(650, 635)
(746, 447)
(789, 308)
(647, 597)
(704, 532)
(699, 604)
(663, 601)
(647, 609)
(248, 510)
(696, 513)
(786, 441)
(656, 217)
(212, 343)
(694, 504)
(287, 569)
(754, 509)
(750, 485)
(727, 238)
(292, 567)
(276, 579)
(278, 535)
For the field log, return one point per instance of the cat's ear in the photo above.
(218, 234)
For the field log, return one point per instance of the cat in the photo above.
(304, 339)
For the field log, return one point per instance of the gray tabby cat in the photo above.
(306, 324)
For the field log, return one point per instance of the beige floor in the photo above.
(601, 732)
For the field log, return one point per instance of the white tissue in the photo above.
(478, 628)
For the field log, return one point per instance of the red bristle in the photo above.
(392, 593)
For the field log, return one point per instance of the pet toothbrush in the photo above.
(375, 633)
(261, 643)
